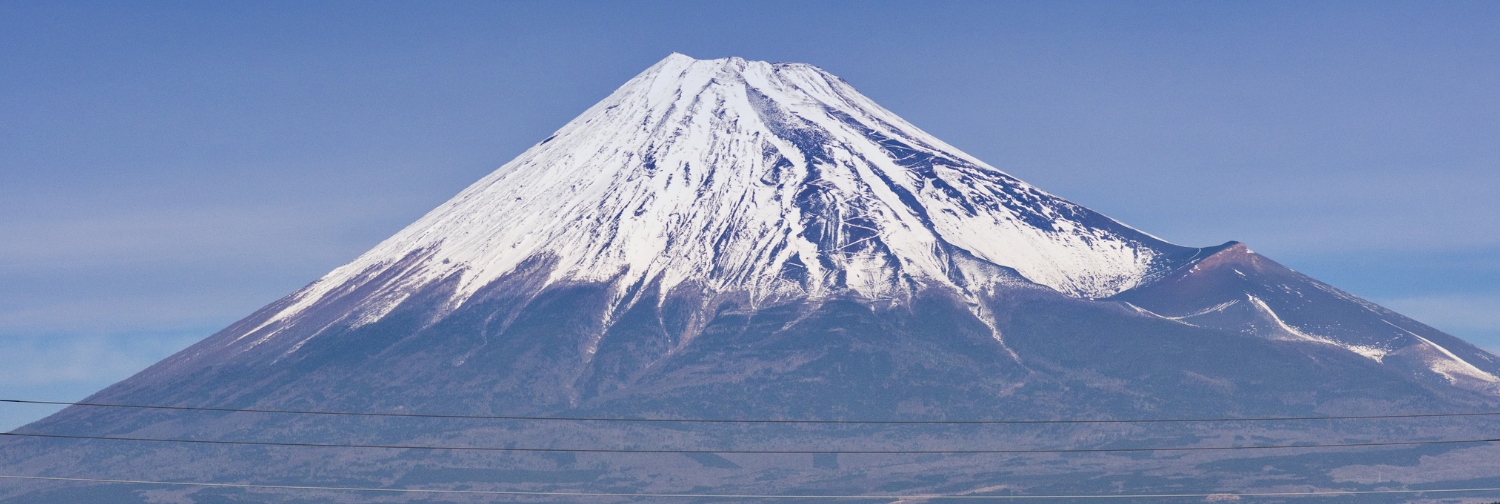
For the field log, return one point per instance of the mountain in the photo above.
(727, 239)
(1236, 289)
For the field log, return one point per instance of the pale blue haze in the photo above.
(166, 168)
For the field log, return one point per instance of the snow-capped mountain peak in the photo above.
(772, 179)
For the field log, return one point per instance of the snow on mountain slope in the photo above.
(1233, 288)
(776, 180)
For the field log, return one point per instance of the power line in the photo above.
(747, 452)
(1314, 493)
(751, 421)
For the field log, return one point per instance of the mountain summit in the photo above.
(773, 181)
(729, 239)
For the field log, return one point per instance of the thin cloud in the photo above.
(86, 359)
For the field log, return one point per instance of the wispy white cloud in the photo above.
(69, 367)
(230, 234)
(155, 270)
(127, 313)
(96, 360)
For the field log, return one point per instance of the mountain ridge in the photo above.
(775, 180)
(735, 239)
(1235, 288)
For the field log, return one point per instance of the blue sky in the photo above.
(166, 168)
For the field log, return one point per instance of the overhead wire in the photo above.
(530, 493)
(753, 421)
(763, 452)
(747, 452)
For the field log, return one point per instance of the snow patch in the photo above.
(776, 180)
(1369, 352)
(1453, 366)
